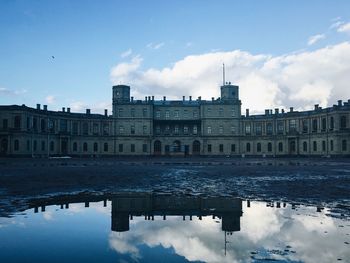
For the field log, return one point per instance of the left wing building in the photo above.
(184, 127)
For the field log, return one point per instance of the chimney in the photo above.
(291, 109)
(340, 102)
(164, 98)
(199, 98)
(247, 112)
(212, 98)
(267, 112)
(190, 98)
(149, 98)
(45, 107)
(146, 98)
(132, 99)
(277, 110)
(282, 111)
(38, 106)
(68, 110)
(106, 112)
(152, 98)
(270, 112)
(316, 106)
(88, 111)
(63, 109)
(183, 98)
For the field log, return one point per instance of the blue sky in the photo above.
(90, 38)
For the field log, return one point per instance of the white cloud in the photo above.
(50, 99)
(298, 79)
(344, 28)
(336, 24)
(126, 53)
(313, 39)
(155, 45)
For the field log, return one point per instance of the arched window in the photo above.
(85, 147)
(95, 147)
(280, 147)
(343, 122)
(75, 147)
(258, 147)
(269, 147)
(196, 147)
(16, 145)
(105, 147)
(248, 147)
(305, 146)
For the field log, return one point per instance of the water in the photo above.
(166, 228)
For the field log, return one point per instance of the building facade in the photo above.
(184, 127)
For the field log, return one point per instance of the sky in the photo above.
(70, 53)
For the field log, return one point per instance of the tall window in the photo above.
(176, 129)
(221, 112)
(75, 128)
(195, 130)
(233, 112)
(63, 125)
(292, 125)
(258, 147)
(52, 146)
(105, 147)
(221, 148)
(85, 128)
(144, 112)
(176, 114)
(269, 128)
(85, 147)
(342, 122)
(16, 145)
(132, 111)
(95, 147)
(314, 125)
(120, 112)
(75, 147)
(247, 128)
(280, 147)
(17, 122)
(144, 148)
(324, 146)
(233, 129)
(280, 127)
(315, 146)
(304, 146)
(157, 114)
(120, 147)
(269, 147)
(132, 129)
(144, 129)
(344, 145)
(185, 129)
(121, 129)
(209, 148)
(233, 147)
(221, 129)
(248, 147)
(95, 128)
(158, 129)
(258, 129)
(167, 114)
(324, 124)
(331, 123)
(209, 130)
(305, 126)
(43, 145)
(132, 148)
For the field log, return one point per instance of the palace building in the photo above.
(184, 127)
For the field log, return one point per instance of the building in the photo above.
(176, 128)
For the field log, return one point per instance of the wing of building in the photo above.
(175, 127)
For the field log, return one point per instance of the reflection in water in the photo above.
(149, 227)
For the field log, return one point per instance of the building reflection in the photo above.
(127, 206)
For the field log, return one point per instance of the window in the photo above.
(167, 129)
(144, 129)
(121, 129)
(144, 148)
(85, 128)
(28, 145)
(34, 145)
(324, 146)
(120, 112)
(314, 125)
(209, 130)
(35, 124)
(221, 129)
(269, 147)
(95, 128)
(158, 130)
(221, 148)
(280, 147)
(105, 147)
(43, 145)
(209, 148)
(51, 126)
(132, 112)
(280, 127)
(17, 122)
(221, 112)
(185, 114)
(195, 129)
(5, 124)
(63, 125)
(305, 126)
(269, 129)
(258, 147)
(331, 124)
(95, 147)
(144, 112)
(132, 129)
(342, 122)
(332, 145)
(75, 147)
(233, 112)
(176, 114)
(16, 145)
(185, 129)
(176, 129)
(248, 147)
(132, 148)
(85, 147)
(43, 125)
(105, 129)
(157, 114)
(120, 147)
(343, 145)
(292, 125)
(75, 128)
(304, 146)
(324, 124)
(28, 123)
(52, 146)
(233, 147)
(258, 129)
(315, 146)
(233, 129)
(167, 114)
(247, 128)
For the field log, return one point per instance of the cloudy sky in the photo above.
(70, 53)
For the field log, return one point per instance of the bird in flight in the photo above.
(53, 57)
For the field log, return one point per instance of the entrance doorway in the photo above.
(196, 148)
(157, 148)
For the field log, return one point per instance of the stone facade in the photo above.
(177, 128)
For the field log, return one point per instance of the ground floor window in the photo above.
(269, 147)
(85, 147)
(209, 148)
(144, 148)
(344, 145)
(233, 147)
(95, 147)
(258, 147)
(43, 145)
(305, 146)
(315, 146)
(280, 147)
(132, 148)
(221, 148)
(248, 147)
(332, 145)
(16, 145)
(120, 147)
(52, 146)
(105, 147)
(28, 145)
(75, 147)
(324, 146)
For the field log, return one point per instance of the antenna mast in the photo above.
(223, 74)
